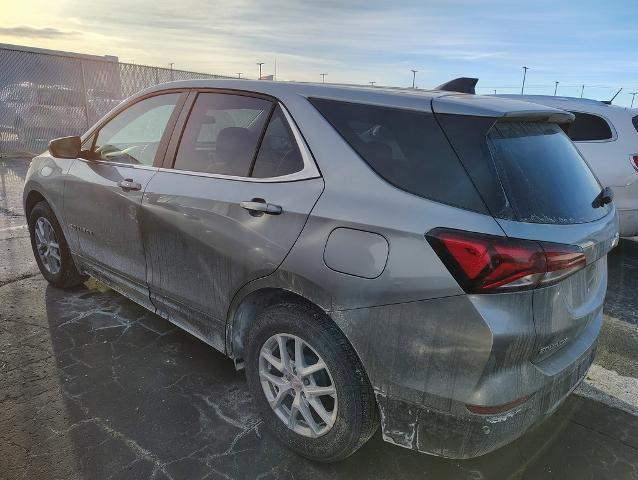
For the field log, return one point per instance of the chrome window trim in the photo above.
(119, 164)
(308, 171)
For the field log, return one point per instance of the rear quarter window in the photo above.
(406, 148)
(635, 122)
(588, 127)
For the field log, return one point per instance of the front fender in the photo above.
(47, 176)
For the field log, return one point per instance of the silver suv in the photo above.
(431, 262)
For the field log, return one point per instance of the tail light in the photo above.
(634, 161)
(483, 263)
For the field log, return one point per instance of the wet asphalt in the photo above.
(93, 386)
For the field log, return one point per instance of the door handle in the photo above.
(128, 184)
(259, 206)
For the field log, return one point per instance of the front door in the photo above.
(240, 189)
(103, 195)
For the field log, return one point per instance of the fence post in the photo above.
(85, 95)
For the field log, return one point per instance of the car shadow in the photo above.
(143, 398)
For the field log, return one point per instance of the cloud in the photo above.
(36, 32)
(354, 41)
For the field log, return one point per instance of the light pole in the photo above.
(171, 65)
(582, 90)
(239, 74)
(633, 95)
(525, 69)
(372, 83)
(260, 64)
(413, 77)
(555, 87)
(323, 77)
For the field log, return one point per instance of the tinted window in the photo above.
(134, 135)
(278, 154)
(542, 174)
(222, 133)
(635, 121)
(588, 127)
(406, 148)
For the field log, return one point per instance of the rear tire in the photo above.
(61, 273)
(356, 417)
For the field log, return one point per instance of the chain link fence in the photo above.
(45, 95)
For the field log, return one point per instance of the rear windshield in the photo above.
(407, 148)
(544, 178)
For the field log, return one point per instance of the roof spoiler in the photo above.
(460, 85)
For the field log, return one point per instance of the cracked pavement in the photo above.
(93, 386)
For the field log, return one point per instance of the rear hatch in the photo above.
(538, 187)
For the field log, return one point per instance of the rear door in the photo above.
(538, 187)
(237, 187)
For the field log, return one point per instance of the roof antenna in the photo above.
(460, 85)
(608, 102)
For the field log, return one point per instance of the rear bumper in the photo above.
(426, 360)
(465, 436)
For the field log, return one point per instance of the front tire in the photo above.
(50, 248)
(316, 397)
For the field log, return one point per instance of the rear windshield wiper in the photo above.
(605, 196)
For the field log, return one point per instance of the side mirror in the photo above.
(65, 147)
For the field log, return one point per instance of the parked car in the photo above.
(607, 136)
(434, 263)
(38, 112)
(100, 102)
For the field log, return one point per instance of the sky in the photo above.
(572, 42)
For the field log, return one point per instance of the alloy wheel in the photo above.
(298, 385)
(47, 245)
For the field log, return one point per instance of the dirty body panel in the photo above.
(202, 246)
(429, 348)
(430, 351)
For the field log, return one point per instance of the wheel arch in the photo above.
(245, 311)
(31, 199)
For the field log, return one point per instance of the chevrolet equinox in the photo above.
(430, 262)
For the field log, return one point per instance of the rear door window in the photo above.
(589, 128)
(544, 178)
(406, 148)
(222, 133)
(279, 153)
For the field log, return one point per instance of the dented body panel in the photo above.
(353, 245)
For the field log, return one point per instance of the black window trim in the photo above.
(614, 134)
(309, 171)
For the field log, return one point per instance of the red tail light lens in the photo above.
(483, 263)
(634, 161)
